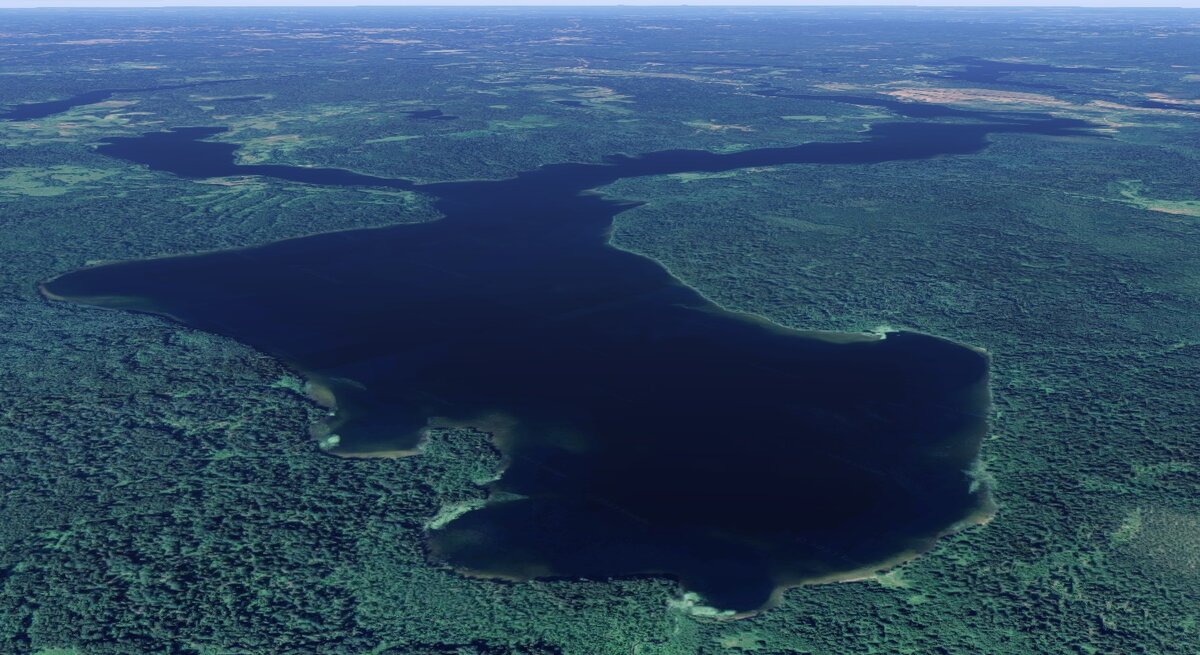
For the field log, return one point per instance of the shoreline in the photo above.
(865, 573)
(321, 391)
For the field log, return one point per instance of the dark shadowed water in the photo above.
(1154, 104)
(32, 110)
(431, 115)
(646, 430)
(990, 72)
(237, 99)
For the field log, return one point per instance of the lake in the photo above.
(645, 430)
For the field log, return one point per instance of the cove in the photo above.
(645, 431)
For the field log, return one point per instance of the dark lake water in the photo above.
(431, 115)
(646, 431)
(31, 110)
(1154, 104)
(237, 99)
(990, 72)
(899, 107)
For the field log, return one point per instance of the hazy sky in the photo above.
(348, 3)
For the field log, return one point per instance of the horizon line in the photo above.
(627, 4)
